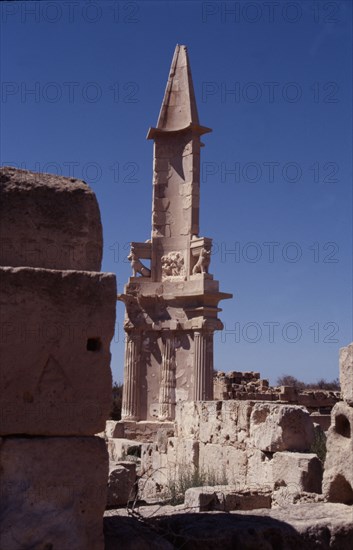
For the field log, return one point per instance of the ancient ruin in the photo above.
(236, 442)
(172, 305)
(250, 385)
(57, 321)
(192, 442)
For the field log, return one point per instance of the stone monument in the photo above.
(172, 304)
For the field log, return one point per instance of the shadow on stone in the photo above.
(206, 531)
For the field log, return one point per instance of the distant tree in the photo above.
(321, 384)
(116, 401)
(289, 380)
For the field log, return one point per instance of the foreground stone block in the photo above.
(225, 498)
(48, 221)
(346, 373)
(56, 329)
(338, 473)
(53, 493)
(297, 471)
(281, 428)
(121, 483)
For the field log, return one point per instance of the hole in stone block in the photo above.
(94, 344)
(341, 491)
(342, 425)
(134, 451)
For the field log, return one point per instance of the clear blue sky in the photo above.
(274, 83)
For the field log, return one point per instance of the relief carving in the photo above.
(173, 265)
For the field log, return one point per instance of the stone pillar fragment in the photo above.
(346, 373)
(203, 366)
(209, 366)
(167, 385)
(130, 406)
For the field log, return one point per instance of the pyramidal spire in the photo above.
(179, 110)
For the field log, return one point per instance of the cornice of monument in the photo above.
(179, 110)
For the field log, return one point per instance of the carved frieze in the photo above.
(173, 265)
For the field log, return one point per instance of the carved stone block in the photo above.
(56, 329)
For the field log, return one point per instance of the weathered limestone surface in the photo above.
(281, 427)
(57, 326)
(259, 469)
(147, 431)
(119, 448)
(48, 221)
(346, 373)
(323, 526)
(225, 463)
(220, 440)
(338, 473)
(121, 483)
(214, 421)
(53, 492)
(298, 471)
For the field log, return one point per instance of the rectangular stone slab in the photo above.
(53, 492)
(48, 221)
(56, 328)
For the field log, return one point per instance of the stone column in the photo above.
(209, 376)
(167, 385)
(203, 366)
(130, 405)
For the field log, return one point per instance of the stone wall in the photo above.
(249, 385)
(261, 446)
(58, 316)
